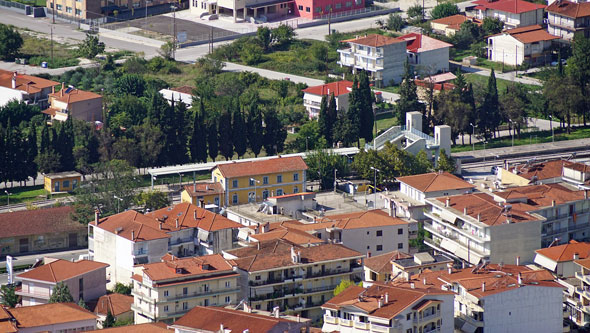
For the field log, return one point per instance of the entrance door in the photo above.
(24, 245)
(73, 240)
(56, 186)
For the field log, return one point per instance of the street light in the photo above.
(375, 202)
(512, 130)
(484, 148)
(473, 136)
(118, 200)
(8, 194)
(551, 126)
(254, 181)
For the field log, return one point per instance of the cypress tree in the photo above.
(225, 135)
(3, 163)
(212, 139)
(325, 121)
(408, 97)
(367, 117)
(274, 133)
(67, 145)
(350, 127)
(181, 139)
(239, 133)
(489, 116)
(255, 130)
(198, 144)
(31, 154)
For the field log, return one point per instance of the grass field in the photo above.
(38, 50)
(477, 79)
(23, 194)
(527, 138)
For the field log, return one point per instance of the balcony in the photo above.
(40, 295)
(436, 329)
(381, 329)
(180, 241)
(276, 281)
(313, 275)
(345, 322)
(361, 326)
(428, 317)
(463, 230)
(331, 320)
(140, 252)
(582, 277)
(200, 294)
(473, 247)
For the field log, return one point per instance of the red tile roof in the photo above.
(189, 216)
(530, 34)
(116, 303)
(174, 268)
(436, 86)
(262, 167)
(60, 270)
(30, 84)
(356, 220)
(337, 88)
(421, 43)
(291, 235)
(49, 314)
(210, 318)
(382, 263)
(565, 252)
(569, 8)
(38, 222)
(158, 327)
(435, 181)
(510, 6)
(131, 223)
(534, 197)
(73, 95)
(374, 40)
(451, 20)
(204, 188)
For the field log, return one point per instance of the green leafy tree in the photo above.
(423, 163)
(491, 26)
(563, 98)
(180, 134)
(343, 285)
(514, 104)
(82, 304)
(309, 137)
(320, 53)
(109, 321)
(9, 296)
(445, 162)
(255, 129)
(10, 42)
(225, 135)
(283, 35)
(152, 200)
(349, 123)
(489, 114)
(415, 13)
(109, 63)
(274, 133)
(395, 22)
(132, 84)
(149, 143)
(324, 122)
(579, 69)
(264, 37)
(239, 135)
(443, 10)
(198, 145)
(166, 50)
(61, 294)
(251, 54)
(90, 47)
(322, 163)
(17, 112)
(408, 97)
(124, 289)
(452, 111)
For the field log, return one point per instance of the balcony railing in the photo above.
(43, 295)
(345, 322)
(361, 326)
(140, 252)
(456, 240)
(583, 277)
(314, 275)
(180, 241)
(457, 228)
(428, 317)
(380, 329)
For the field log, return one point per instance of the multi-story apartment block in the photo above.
(560, 259)
(426, 55)
(499, 298)
(164, 291)
(531, 45)
(514, 13)
(474, 227)
(567, 19)
(400, 265)
(565, 210)
(21, 87)
(294, 278)
(370, 231)
(382, 57)
(312, 98)
(578, 303)
(248, 181)
(388, 309)
(89, 9)
(85, 279)
(69, 101)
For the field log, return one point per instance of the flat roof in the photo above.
(65, 174)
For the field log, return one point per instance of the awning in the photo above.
(268, 3)
(449, 245)
(203, 235)
(448, 216)
(468, 327)
(545, 262)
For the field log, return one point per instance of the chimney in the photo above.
(14, 80)
(195, 214)
(450, 268)
(176, 223)
(483, 287)
(160, 225)
(448, 202)
(133, 235)
(386, 298)
(517, 260)
(478, 217)
(576, 256)
(412, 285)
(63, 86)
(519, 279)
(221, 328)
(258, 245)
(424, 281)
(380, 303)
(585, 194)
(53, 89)
(96, 216)
(465, 211)
(552, 203)
(368, 254)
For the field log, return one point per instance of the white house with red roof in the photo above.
(427, 55)
(568, 18)
(312, 97)
(560, 259)
(381, 56)
(21, 87)
(530, 44)
(514, 13)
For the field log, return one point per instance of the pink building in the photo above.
(86, 279)
(313, 9)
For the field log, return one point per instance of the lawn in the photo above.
(527, 138)
(37, 50)
(458, 55)
(23, 194)
(477, 79)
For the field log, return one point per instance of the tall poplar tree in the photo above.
(239, 135)
(324, 122)
(225, 135)
(255, 130)
(212, 138)
(198, 144)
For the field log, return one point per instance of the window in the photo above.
(81, 288)
(165, 293)
(300, 7)
(307, 9)
(408, 316)
(295, 189)
(234, 183)
(368, 247)
(279, 179)
(68, 9)
(165, 308)
(74, 183)
(379, 247)
(227, 284)
(185, 305)
(206, 302)
(358, 2)
(185, 290)
(318, 9)
(348, 3)
(295, 176)
(227, 299)
(328, 8)
(78, 11)
(265, 180)
(400, 231)
(379, 233)
(234, 199)
(252, 182)
(279, 192)
(257, 277)
(264, 194)
(58, 7)
(400, 245)
(338, 5)
(66, 183)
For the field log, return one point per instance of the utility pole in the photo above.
(53, 12)
(210, 40)
(174, 32)
(52, 44)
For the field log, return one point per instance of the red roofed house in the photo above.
(51, 318)
(559, 259)
(386, 308)
(514, 13)
(86, 280)
(21, 87)
(248, 181)
(568, 18)
(40, 230)
(381, 56)
(203, 194)
(118, 305)
(530, 45)
(83, 105)
(313, 96)
(426, 55)
(449, 25)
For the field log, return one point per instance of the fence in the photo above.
(351, 12)
(15, 6)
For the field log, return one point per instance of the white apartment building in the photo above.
(566, 19)
(293, 279)
(578, 303)
(426, 55)
(384, 308)
(530, 45)
(312, 97)
(165, 291)
(399, 265)
(514, 13)
(381, 56)
(559, 259)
